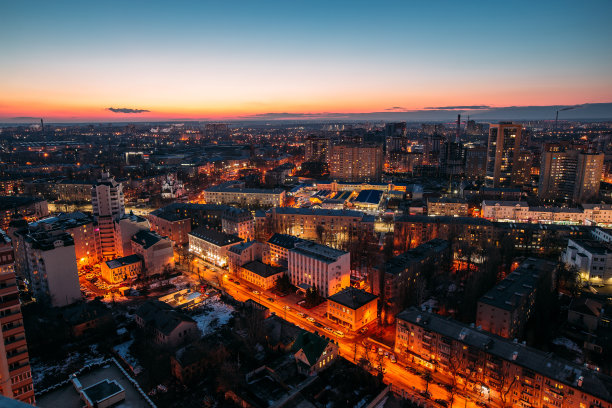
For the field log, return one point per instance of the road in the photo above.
(353, 346)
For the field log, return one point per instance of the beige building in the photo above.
(125, 229)
(348, 162)
(260, 274)
(352, 308)
(235, 192)
(491, 367)
(156, 251)
(211, 245)
(121, 269)
(243, 253)
(447, 206)
(108, 206)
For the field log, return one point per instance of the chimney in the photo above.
(458, 128)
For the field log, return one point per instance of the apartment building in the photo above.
(453, 207)
(156, 251)
(121, 269)
(172, 225)
(201, 215)
(332, 226)
(517, 211)
(350, 162)
(166, 326)
(49, 265)
(352, 308)
(278, 248)
(30, 208)
(108, 205)
(15, 372)
(592, 258)
(235, 192)
(239, 222)
(494, 367)
(505, 309)
(315, 265)
(401, 270)
(243, 253)
(212, 245)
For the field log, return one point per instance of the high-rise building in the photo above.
(317, 149)
(475, 162)
(356, 163)
(50, 264)
(504, 145)
(15, 373)
(569, 173)
(453, 159)
(108, 206)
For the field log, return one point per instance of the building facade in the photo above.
(211, 245)
(348, 162)
(502, 152)
(314, 265)
(156, 252)
(238, 222)
(121, 269)
(352, 308)
(108, 206)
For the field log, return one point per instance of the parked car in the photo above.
(339, 333)
(380, 351)
(442, 402)
(329, 329)
(255, 292)
(318, 324)
(393, 358)
(363, 330)
(301, 314)
(310, 319)
(271, 300)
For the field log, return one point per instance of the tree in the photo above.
(283, 284)
(312, 297)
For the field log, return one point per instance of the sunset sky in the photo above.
(71, 61)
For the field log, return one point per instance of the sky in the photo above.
(208, 60)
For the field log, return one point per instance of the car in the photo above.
(301, 314)
(310, 319)
(380, 351)
(442, 402)
(318, 324)
(286, 307)
(339, 333)
(373, 349)
(393, 358)
(271, 300)
(425, 394)
(255, 292)
(329, 329)
(386, 353)
(237, 283)
(481, 404)
(363, 330)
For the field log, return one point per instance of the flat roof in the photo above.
(318, 251)
(262, 269)
(102, 390)
(369, 197)
(215, 237)
(126, 260)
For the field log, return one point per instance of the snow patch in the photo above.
(568, 344)
(214, 315)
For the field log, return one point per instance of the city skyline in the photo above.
(71, 62)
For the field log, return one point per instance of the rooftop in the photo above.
(146, 238)
(592, 246)
(102, 390)
(262, 269)
(126, 260)
(509, 293)
(8, 203)
(215, 237)
(353, 298)
(369, 197)
(399, 263)
(162, 316)
(317, 251)
(284, 240)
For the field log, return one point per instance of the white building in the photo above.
(156, 251)
(592, 258)
(235, 192)
(600, 214)
(517, 211)
(108, 206)
(312, 264)
(212, 245)
(51, 265)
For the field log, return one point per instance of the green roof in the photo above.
(312, 345)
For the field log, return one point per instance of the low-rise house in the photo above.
(314, 353)
(260, 274)
(121, 269)
(84, 318)
(352, 308)
(164, 325)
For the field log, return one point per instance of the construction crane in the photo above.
(562, 110)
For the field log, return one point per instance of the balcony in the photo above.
(7, 290)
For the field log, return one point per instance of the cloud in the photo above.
(396, 108)
(474, 107)
(24, 118)
(127, 110)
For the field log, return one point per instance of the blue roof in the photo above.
(369, 196)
